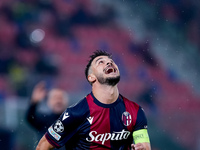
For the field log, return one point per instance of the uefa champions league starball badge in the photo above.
(58, 127)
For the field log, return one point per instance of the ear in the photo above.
(91, 78)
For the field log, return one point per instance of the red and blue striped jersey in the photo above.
(90, 124)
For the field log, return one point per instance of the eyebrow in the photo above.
(98, 59)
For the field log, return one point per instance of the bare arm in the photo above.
(44, 144)
(141, 146)
(39, 93)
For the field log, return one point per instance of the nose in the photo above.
(109, 63)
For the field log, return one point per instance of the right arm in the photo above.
(38, 94)
(44, 144)
(63, 130)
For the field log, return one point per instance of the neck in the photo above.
(105, 94)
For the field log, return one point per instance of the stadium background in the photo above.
(154, 42)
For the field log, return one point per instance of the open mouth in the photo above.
(110, 69)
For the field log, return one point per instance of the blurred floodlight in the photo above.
(37, 35)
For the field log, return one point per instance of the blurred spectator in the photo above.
(84, 16)
(57, 101)
(143, 50)
(6, 139)
(6, 60)
(46, 65)
(147, 97)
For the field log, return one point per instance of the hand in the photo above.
(138, 146)
(39, 92)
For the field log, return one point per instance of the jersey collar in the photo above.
(96, 101)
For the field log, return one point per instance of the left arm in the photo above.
(141, 139)
(141, 146)
(44, 144)
(140, 134)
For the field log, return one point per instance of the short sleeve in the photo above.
(141, 121)
(62, 130)
(66, 129)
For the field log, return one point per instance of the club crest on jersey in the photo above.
(126, 118)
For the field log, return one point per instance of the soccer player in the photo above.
(57, 101)
(104, 119)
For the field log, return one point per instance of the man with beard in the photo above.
(57, 101)
(104, 119)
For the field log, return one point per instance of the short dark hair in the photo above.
(96, 53)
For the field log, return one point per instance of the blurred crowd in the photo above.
(32, 32)
(23, 25)
(182, 15)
